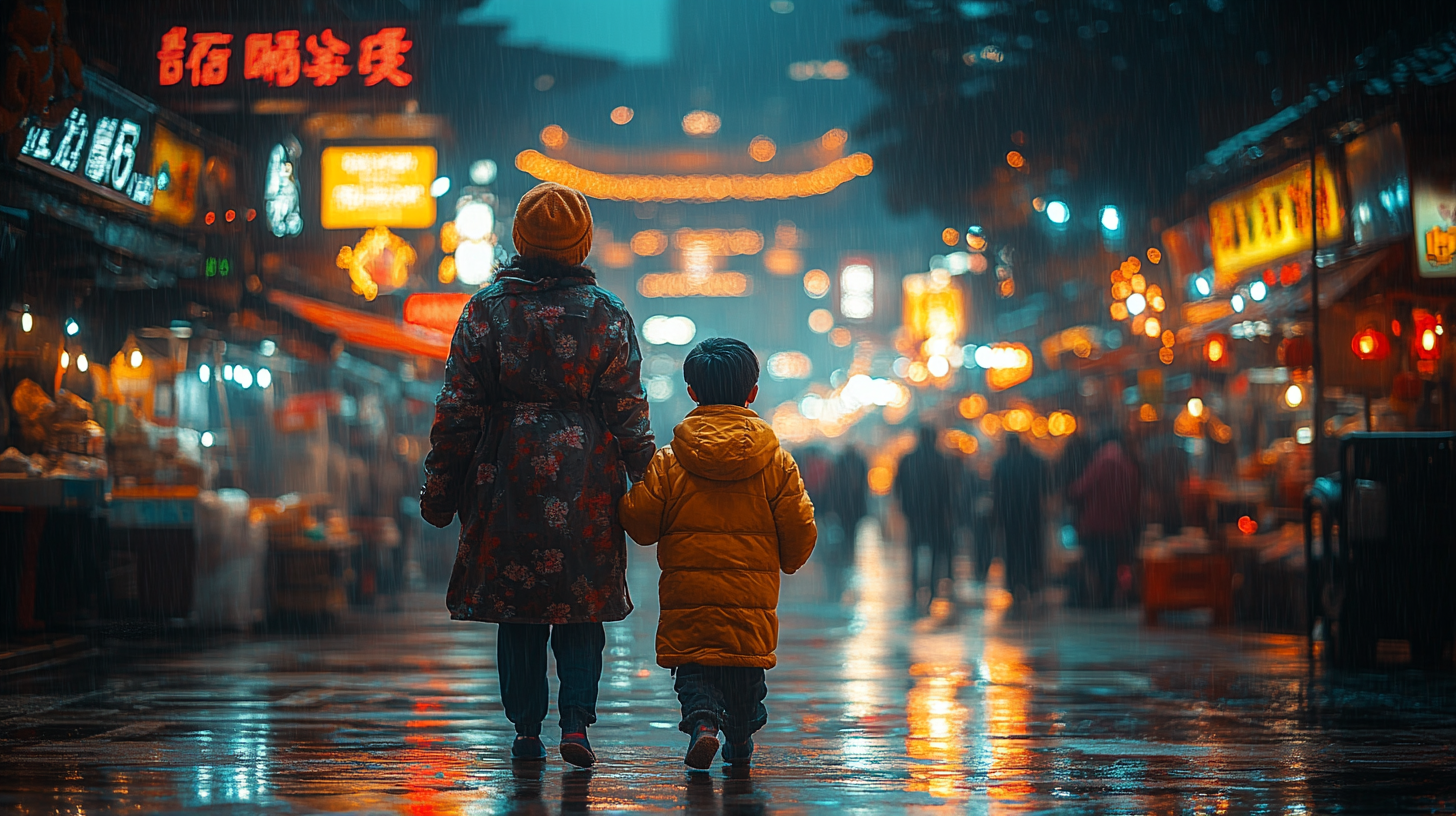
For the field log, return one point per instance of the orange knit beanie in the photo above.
(553, 222)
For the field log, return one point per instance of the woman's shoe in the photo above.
(528, 749)
(577, 750)
(703, 748)
(740, 754)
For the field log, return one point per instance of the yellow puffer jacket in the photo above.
(728, 507)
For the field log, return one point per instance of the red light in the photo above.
(1370, 344)
(1270, 277)
(1425, 342)
(230, 215)
(1395, 327)
(1216, 349)
(1289, 274)
(252, 213)
(1248, 526)
(435, 310)
(209, 219)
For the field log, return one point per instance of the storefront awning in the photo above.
(363, 329)
(1335, 281)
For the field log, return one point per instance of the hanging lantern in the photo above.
(1370, 344)
(1426, 335)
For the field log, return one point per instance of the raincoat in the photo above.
(539, 424)
(729, 509)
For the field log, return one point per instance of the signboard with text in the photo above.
(230, 57)
(1433, 212)
(365, 187)
(103, 145)
(1270, 220)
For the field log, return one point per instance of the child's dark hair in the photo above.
(721, 371)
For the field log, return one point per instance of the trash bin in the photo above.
(1386, 572)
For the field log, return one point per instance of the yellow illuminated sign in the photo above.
(1271, 220)
(931, 306)
(176, 165)
(378, 186)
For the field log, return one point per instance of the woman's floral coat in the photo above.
(541, 420)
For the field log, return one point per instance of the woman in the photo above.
(540, 422)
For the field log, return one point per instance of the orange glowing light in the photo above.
(979, 263)
(880, 479)
(833, 140)
(648, 243)
(951, 236)
(701, 123)
(435, 310)
(1168, 338)
(1248, 526)
(840, 337)
(554, 137)
(252, 213)
(717, 241)
(1061, 423)
(1121, 290)
(694, 284)
(821, 321)
(816, 283)
(1013, 366)
(1157, 303)
(990, 424)
(1017, 420)
(1155, 255)
(209, 219)
(377, 186)
(1152, 328)
(1015, 159)
(1165, 355)
(977, 243)
(1040, 427)
(279, 64)
(447, 269)
(230, 216)
(621, 115)
(780, 261)
(1214, 349)
(762, 149)
(972, 406)
(1138, 283)
(696, 187)
(379, 262)
(381, 57)
(1007, 288)
(1132, 265)
(1118, 310)
(1147, 413)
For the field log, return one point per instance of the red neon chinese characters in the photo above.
(207, 62)
(381, 55)
(328, 59)
(174, 47)
(277, 64)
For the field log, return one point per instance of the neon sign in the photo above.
(104, 146)
(283, 59)
(281, 195)
(377, 186)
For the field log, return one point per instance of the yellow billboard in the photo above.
(176, 165)
(377, 187)
(1270, 220)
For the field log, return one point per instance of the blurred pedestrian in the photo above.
(847, 494)
(541, 421)
(1107, 496)
(729, 508)
(926, 487)
(1018, 485)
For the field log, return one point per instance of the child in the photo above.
(728, 506)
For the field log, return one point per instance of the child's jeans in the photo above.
(729, 697)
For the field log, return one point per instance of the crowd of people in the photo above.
(949, 509)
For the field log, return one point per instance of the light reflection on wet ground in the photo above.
(398, 713)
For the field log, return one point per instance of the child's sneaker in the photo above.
(577, 750)
(739, 754)
(703, 747)
(528, 749)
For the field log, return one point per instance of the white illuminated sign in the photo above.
(857, 292)
(281, 196)
(111, 159)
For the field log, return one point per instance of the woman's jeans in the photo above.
(520, 651)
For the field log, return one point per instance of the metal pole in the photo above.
(1317, 363)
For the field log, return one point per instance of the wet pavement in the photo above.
(1073, 713)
